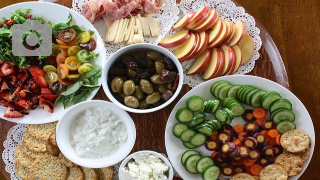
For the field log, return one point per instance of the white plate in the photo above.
(56, 14)
(175, 148)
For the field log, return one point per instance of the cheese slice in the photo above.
(140, 30)
(132, 31)
(119, 31)
(112, 31)
(154, 26)
(145, 26)
(129, 29)
(124, 30)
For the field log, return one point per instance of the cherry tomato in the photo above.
(63, 71)
(90, 45)
(73, 76)
(51, 77)
(67, 35)
(84, 68)
(48, 68)
(56, 50)
(72, 63)
(66, 82)
(84, 37)
(72, 51)
(61, 57)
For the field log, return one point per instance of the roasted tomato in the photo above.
(66, 81)
(67, 35)
(89, 46)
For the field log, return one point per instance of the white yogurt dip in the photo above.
(97, 133)
(145, 167)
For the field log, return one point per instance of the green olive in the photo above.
(138, 93)
(153, 55)
(146, 86)
(116, 84)
(150, 63)
(121, 95)
(131, 72)
(128, 87)
(156, 79)
(161, 88)
(125, 58)
(159, 66)
(153, 98)
(143, 104)
(131, 101)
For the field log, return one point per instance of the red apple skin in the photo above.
(213, 67)
(215, 31)
(232, 56)
(238, 55)
(229, 58)
(240, 30)
(194, 44)
(175, 43)
(196, 48)
(208, 24)
(203, 65)
(189, 16)
(220, 39)
(203, 46)
(199, 14)
(203, 18)
(221, 64)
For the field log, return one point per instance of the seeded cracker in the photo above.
(304, 155)
(295, 141)
(75, 173)
(41, 131)
(48, 167)
(52, 137)
(66, 161)
(242, 176)
(273, 172)
(21, 158)
(21, 171)
(34, 144)
(32, 154)
(90, 174)
(290, 162)
(52, 149)
(106, 173)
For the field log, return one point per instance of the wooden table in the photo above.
(295, 29)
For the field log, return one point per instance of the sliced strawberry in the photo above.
(16, 92)
(36, 71)
(46, 91)
(46, 105)
(22, 77)
(40, 81)
(7, 68)
(36, 91)
(30, 84)
(4, 86)
(14, 80)
(26, 104)
(51, 98)
(24, 94)
(11, 113)
(6, 94)
(4, 102)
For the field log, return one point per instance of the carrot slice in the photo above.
(238, 128)
(247, 169)
(272, 141)
(259, 113)
(273, 133)
(236, 163)
(214, 135)
(260, 120)
(265, 132)
(237, 142)
(278, 139)
(248, 162)
(213, 154)
(60, 43)
(255, 169)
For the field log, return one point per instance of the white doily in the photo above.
(14, 139)
(228, 11)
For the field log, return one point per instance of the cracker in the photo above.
(22, 172)
(48, 167)
(106, 173)
(34, 144)
(256, 177)
(304, 155)
(52, 137)
(242, 176)
(90, 174)
(273, 172)
(32, 154)
(65, 161)
(292, 163)
(52, 149)
(41, 131)
(295, 141)
(21, 158)
(75, 173)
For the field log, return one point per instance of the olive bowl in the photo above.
(136, 48)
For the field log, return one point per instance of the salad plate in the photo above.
(175, 148)
(55, 14)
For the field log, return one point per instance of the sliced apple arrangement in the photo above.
(218, 46)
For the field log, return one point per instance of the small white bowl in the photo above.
(63, 135)
(144, 152)
(132, 48)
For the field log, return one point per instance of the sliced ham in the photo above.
(152, 6)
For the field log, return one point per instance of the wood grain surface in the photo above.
(295, 29)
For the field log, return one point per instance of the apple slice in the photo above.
(238, 54)
(247, 47)
(211, 21)
(176, 39)
(201, 63)
(220, 39)
(203, 43)
(185, 49)
(217, 60)
(195, 49)
(215, 31)
(240, 30)
(183, 21)
(199, 14)
(202, 19)
(231, 31)
(229, 58)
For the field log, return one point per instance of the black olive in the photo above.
(166, 95)
(142, 62)
(168, 63)
(165, 76)
(143, 75)
(57, 87)
(132, 65)
(116, 71)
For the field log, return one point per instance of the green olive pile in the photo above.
(143, 79)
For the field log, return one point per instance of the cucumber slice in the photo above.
(274, 112)
(280, 103)
(284, 126)
(184, 115)
(249, 94)
(203, 163)
(226, 100)
(196, 120)
(267, 100)
(211, 173)
(237, 109)
(178, 129)
(214, 85)
(188, 153)
(186, 135)
(244, 92)
(230, 113)
(284, 114)
(189, 145)
(198, 139)
(217, 89)
(191, 163)
(221, 115)
(255, 98)
(205, 129)
(222, 94)
(195, 103)
(213, 105)
(233, 90)
(217, 124)
(267, 94)
(239, 91)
